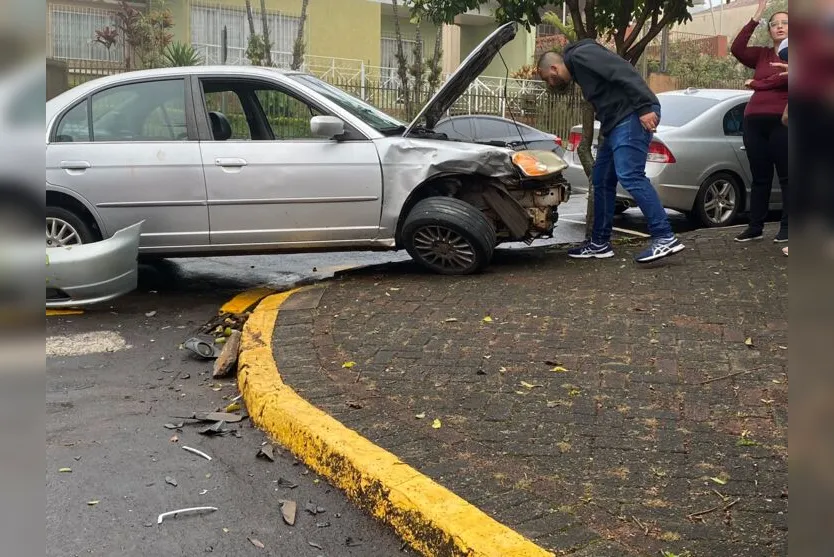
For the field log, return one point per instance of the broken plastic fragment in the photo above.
(196, 452)
(178, 512)
(436, 424)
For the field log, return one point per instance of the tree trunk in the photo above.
(250, 17)
(435, 71)
(402, 63)
(587, 160)
(417, 70)
(265, 24)
(298, 47)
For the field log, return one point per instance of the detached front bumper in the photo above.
(93, 273)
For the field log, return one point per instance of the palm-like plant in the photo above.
(181, 54)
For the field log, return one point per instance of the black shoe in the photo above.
(782, 236)
(748, 235)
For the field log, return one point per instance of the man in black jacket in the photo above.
(629, 114)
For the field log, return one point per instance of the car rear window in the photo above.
(679, 110)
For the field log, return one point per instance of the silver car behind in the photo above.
(696, 161)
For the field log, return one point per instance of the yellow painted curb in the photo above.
(432, 519)
(246, 300)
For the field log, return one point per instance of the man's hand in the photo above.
(650, 121)
(748, 83)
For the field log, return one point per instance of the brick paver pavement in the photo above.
(662, 428)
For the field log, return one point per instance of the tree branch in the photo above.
(577, 19)
(636, 51)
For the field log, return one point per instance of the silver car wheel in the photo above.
(720, 201)
(60, 233)
(444, 247)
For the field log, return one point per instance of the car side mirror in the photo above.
(327, 126)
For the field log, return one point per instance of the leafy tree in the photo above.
(258, 49)
(107, 37)
(145, 34)
(299, 47)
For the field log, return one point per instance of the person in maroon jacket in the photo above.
(765, 137)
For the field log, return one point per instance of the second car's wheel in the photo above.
(449, 236)
(718, 201)
(65, 228)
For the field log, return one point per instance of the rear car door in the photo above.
(270, 182)
(131, 151)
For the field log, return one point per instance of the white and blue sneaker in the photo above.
(660, 248)
(590, 250)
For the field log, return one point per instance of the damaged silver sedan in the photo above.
(233, 160)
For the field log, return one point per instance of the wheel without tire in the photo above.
(718, 201)
(449, 236)
(65, 228)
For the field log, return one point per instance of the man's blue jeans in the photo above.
(622, 157)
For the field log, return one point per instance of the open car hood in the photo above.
(463, 77)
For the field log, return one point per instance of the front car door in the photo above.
(734, 133)
(131, 151)
(270, 183)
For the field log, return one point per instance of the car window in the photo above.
(457, 128)
(679, 110)
(150, 111)
(734, 120)
(489, 129)
(288, 116)
(229, 104)
(75, 125)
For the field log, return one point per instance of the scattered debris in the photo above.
(189, 510)
(196, 452)
(322, 525)
(93, 503)
(256, 542)
(351, 542)
(225, 363)
(348, 365)
(354, 405)
(288, 510)
(185, 376)
(749, 342)
(436, 424)
(719, 481)
(313, 509)
(559, 369)
(65, 470)
(174, 439)
(728, 376)
(266, 452)
(215, 430)
(170, 481)
(286, 484)
(174, 426)
(212, 417)
(450, 320)
(232, 407)
(315, 545)
(420, 416)
(150, 314)
(530, 385)
(201, 348)
(203, 491)
(487, 319)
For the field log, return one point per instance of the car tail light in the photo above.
(558, 141)
(658, 152)
(573, 141)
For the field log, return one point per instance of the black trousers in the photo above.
(766, 141)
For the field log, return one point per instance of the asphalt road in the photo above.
(116, 376)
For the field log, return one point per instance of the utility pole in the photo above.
(664, 49)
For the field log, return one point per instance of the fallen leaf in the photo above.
(256, 542)
(530, 385)
(93, 503)
(170, 481)
(749, 342)
(288, 510)
(65, 470)
(267, 452)
(719, 481)
(487, 319)
(559, 369)
(233, 407)
(420, 416)
(436, 424)
(348, 365)
(768, 400)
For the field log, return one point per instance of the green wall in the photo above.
(409, 30)
(517, 53)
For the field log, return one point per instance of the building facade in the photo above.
(341, 35)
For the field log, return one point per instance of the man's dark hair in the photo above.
(548, 59)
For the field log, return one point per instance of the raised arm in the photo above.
(748, 55)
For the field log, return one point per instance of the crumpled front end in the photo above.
(518, 191)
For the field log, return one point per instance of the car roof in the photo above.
(714, 94)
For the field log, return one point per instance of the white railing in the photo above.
(72, 33)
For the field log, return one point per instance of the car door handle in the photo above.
(234, 163)
(75, 165)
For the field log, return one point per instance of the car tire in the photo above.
(620, 208)
(719, 201)
(449, 236)
(69, 228)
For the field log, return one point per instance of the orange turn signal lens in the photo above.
(530, 165)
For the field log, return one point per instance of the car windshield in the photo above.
(362, 110)
(679, 110)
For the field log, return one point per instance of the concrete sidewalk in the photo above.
(596, 407)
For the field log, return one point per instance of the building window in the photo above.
(72, 33)
(545, 30)
(207, 24)
(389, 51)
